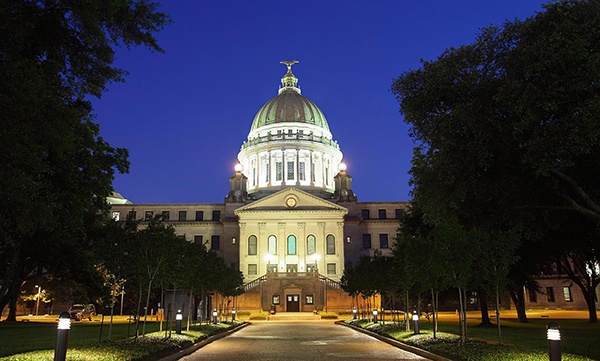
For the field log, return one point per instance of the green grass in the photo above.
(520, 341)
(36, 341)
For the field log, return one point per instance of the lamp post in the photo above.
(62, 336)
(354, 311)
(215, 316)
(415, 318)
(233, 314)
(37, 306)
(553, 336)
(374, 315)
(122, 294)
(178, 318)
(316, 258)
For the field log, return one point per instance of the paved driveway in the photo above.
(299, 341)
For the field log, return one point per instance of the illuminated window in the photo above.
(252, 245)
(330, 244)
(116, 216)
(309, 299)
(290, 170)
(302, 175)
(291, 245)
(148, 215)
(383, 241)
(567, 293)
(272, 244)
(311, 244)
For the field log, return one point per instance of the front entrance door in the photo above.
(293, 303)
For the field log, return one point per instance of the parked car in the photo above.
(78, 311)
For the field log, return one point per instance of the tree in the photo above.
(56, 170)
(507, 126)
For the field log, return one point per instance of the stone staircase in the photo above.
(293, 316)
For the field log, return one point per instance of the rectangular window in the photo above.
(331, 270)
(532, 296)
(148, 215)
(382, 214)
(216, 215)
(312, 172)
(550, 294)
(182, 216)
(132, 215)
(567, 293)
(290, 170)
(278, 171)
(383, 241)
(275, 299)
(302, 175)
(198, 239)
(199, 215)
(165, 215)
(365, 214)
(116, 216)
(399, 213)
(252, 270)
(366, 241)
(215, 243)
(309, 299)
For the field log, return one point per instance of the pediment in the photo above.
(291, 199)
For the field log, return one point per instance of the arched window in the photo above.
(272, 244)
(311, 244)
(291, 244)
(330, 244)
(252, 245)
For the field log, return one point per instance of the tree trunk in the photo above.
(406, 313)
(433, 313)
(461, 317)
(590, 299)
(518, 299)
(485, 315)
(498, 315)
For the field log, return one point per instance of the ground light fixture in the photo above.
(374, 315)
(215, 316)
(415, 318)
(354, 311)
(553, 336)
(233, 315)
(178, 318)
(62, 336)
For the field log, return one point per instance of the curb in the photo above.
(396, 343)
(181, 353)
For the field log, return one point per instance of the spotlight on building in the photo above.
(238, 167)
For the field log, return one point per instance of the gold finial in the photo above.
(289, 64)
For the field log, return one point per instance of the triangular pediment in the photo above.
(291, 199)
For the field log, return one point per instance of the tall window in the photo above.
(330, 244)
(291, 244)
(312, 172)
(311, 244)
(198, 239)
(148, 215)
(399, 213)
(365, 214)
(215, 243)
(567, 293)
(532, 296)
(182, 216)
(382, 214)
(272, 244)
(132, 215)
(116, 215)
(366, 241)
(550, 294)
(252, 245)
(290, 170)
(302, 175)
(267, 167)
(199, 215)
(165, 215)
(278, 171)
(383, 241)
(216, 215)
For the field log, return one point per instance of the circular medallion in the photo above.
(290, 202)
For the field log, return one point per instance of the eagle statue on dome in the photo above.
(289, 64)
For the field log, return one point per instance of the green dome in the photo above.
(289, 106)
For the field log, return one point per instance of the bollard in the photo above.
(374, 315)
(62, 336)
(178, 318)
(553, 335)
(354, 311)
(215, 316)
(233, 315)
(415, 318)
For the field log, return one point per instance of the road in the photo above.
(299, 341)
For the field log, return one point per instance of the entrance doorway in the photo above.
(293, 303)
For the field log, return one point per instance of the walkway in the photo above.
(298, 341)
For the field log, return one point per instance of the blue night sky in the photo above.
(184, 114)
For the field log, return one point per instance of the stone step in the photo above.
(291, 316)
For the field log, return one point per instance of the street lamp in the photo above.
(178, 318)
(37, 307)
(553, 336)
(215, 316)
(354, 311)
(374, 315)
(233, 315)
(415, 318)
